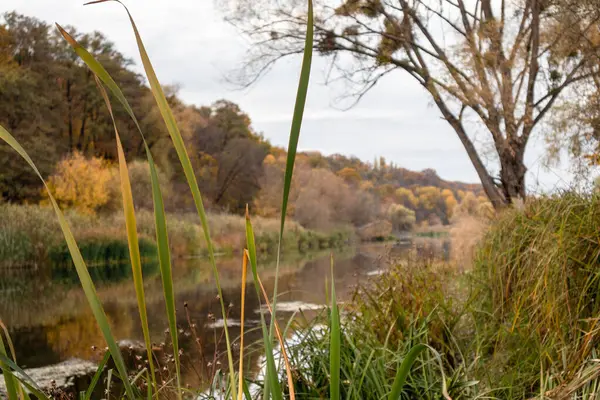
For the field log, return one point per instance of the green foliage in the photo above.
(99, 251)
(538, 270)
(386, 327)
(403, 219)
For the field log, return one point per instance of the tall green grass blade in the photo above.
(96, 377)
(13, 354)
(246, 390)
(404, 369)
(160, 221)
(108, 382)
(132, 236)
(293, 141)
(9, 379)
(242, 317)
(288, 368)
(298, 113)
(164, 258)
(84, 276)
(184, 159)
(271, 377)
(22, 377)
(334, 344)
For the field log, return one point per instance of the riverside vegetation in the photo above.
(30, 236)
(518, 320)
(147, 380)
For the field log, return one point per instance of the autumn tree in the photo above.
(406, 197)
(576, 120)
(81, 183)
(229, 156)
(350, 175)
(497, 64)
(50, 102)
(403, 219)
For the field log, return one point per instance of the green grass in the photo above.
(136, 247)
(101, 252)
(523, 324)
(30, 236)
(538, 273)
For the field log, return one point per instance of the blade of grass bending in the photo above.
(96, 377)
(288, 368)
(82, 271)
(10, 380)
(23, 377)
(184, 159)
(242, 316)
(164, 257)
(293, 142)
(271, 384)
(13, 354)
(404, 369)
(132, 236)
(334, 344)
(160, 221)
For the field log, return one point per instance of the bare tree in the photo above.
(501, 63)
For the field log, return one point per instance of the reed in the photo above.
(234, 378)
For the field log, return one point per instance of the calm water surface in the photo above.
(49, 320)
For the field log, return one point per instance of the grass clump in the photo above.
(390, 315)
(537, 274)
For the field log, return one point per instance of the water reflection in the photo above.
(49, 320)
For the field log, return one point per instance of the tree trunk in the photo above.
(512, 174)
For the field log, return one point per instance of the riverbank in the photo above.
(520, 323)
(30, 236)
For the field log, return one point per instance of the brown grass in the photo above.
(466, 232)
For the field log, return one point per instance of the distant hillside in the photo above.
(383, 173)
(50, 103)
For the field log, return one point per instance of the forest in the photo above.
(50, 101)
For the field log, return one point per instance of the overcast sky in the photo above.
(190, 45)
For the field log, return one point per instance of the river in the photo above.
(49, 319)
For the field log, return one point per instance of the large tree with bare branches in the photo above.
(501, 63)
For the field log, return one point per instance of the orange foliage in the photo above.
(81, 183)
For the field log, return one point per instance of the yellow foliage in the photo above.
(366, 185)
(473, 206)
(447, 193)
(428, 196)
(451, 204)
(406, 197)
(270, 159)
(81, 183)
(350, 175)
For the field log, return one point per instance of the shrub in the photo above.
(402, 218)
(81, 183)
